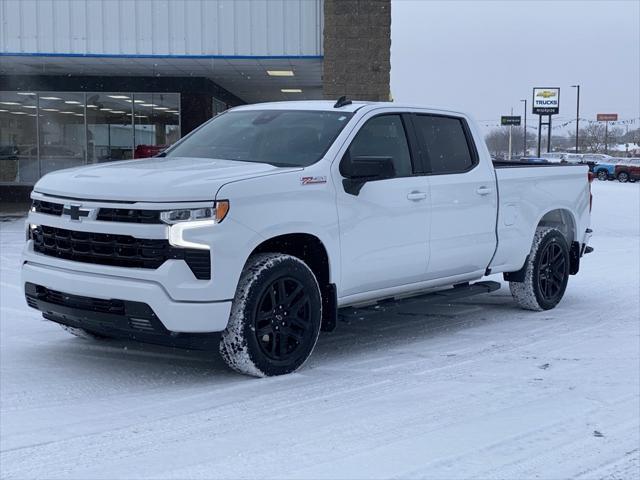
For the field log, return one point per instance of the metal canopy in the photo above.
(245, 77)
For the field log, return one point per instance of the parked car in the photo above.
(146, 151)
(263, 222)
(534, 160)
(628, 170)
(603, 166)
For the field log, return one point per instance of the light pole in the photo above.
(524, 142)
(577, 115)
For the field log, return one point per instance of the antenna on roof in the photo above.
(342, 101)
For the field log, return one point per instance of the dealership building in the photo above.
(89, 82)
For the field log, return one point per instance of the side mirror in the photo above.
(362, 169)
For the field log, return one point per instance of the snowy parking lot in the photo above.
(478, 389)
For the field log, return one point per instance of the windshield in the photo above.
(279, 137)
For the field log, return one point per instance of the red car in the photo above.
(145, 151)
(628, 170)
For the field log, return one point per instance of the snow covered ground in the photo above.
(479, 389)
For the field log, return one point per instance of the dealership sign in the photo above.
(607, 117)
(546, 101)
(510, 120)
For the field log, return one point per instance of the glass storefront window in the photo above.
(18, 138)
(45, 131)
(109, 127)
(157, 122)
(62, 131)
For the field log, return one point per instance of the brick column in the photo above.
(357, 49)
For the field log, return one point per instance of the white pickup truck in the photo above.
(267, 219)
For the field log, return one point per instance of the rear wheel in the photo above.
(546, 272)
(275, 318)
(603, 175)
(623, 177)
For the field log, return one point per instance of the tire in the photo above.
(603, 175)
(275, 317)
(546, 272)
(623, 177)
(82, 333)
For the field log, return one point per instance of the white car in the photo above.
(267, 219)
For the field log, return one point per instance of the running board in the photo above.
(456, 292)
(462, 290)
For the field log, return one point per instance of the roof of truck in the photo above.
(328, 105)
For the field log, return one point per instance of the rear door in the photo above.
(463, 197)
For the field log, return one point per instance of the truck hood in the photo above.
(152, 180)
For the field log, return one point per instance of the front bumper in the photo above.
(175, 316)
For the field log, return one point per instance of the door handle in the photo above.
(484, 190)
(416, 196)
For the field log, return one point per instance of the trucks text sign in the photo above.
(546, 101)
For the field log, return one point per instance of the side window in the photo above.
(384, 136)
(446, 143)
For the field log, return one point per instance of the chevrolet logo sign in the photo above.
(76, 213)
(546, 94)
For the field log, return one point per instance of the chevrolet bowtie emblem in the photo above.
(75, 212)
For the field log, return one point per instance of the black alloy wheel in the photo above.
(552, 272)
(283, 323)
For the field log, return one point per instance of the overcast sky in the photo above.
(484, 56)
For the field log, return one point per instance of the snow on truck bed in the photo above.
(479, 389)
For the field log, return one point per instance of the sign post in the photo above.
(546, 102)
(606, 118)
(510, 121)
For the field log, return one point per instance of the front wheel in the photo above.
(546, 272)
(275, 318)
(603, 175)
(623, 177)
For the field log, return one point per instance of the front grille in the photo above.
(116, 250)
(48, 208)
(126, 215)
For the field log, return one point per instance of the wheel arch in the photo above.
(561, 219)
(312, 251)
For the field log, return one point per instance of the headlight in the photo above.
(184, 220)
(217, 212)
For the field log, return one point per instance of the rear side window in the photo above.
(446, 143)
(384, 136)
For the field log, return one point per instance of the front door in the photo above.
(384, 228)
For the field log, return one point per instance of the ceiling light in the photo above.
(280, 73)
(10, 103)
(50, 109)
(29, 106)
(50, 98)
(105, 109)
(122, 97)
(141, 116)
(161, 108)
(68, 112)
(117, 111)
(291, 90)
(2, 110)
(135, 101)
(78, 115)
(19, 113)
(72, 102)
(25, 93)
(92, 106)
(172, 111)
(149, 105)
